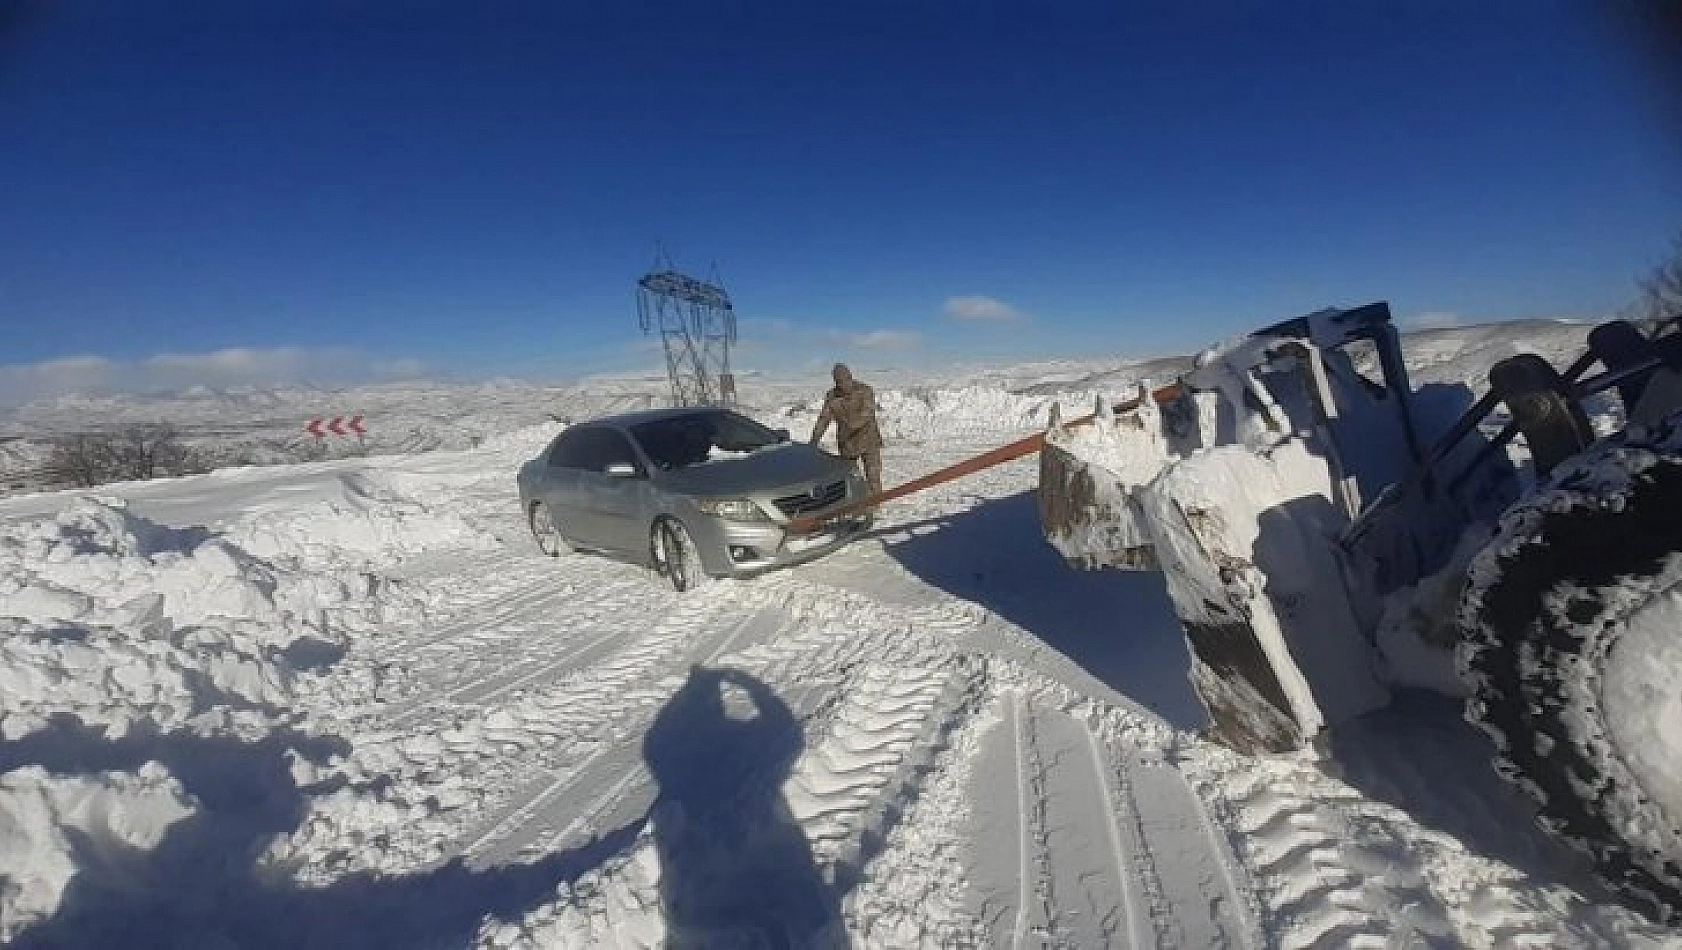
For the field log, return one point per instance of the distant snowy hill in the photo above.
(266, 425)
(1466, 353)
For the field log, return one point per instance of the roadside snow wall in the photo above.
(122, 639)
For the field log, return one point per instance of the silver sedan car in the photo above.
(693, 493)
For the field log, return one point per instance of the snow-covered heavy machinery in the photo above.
(1328, 532)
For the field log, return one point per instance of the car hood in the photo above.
(775, 467)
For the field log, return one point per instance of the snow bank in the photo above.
(942, 413)
(919, 414)
(123, 640)
(120, 622)
(113, 619)
(361, 512)
(108, 814)
(118, 633)
(522, 443)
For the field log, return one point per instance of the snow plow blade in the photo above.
(1089, 525)
(1088, 477)
(1243, 537)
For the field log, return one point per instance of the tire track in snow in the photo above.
(811, 673)
(1071, 879)
(525, 601)
(1108, 847)
(1213, 869)
(1185, 873)
(500, 839)
(424, 692)
(1089, 885)
(876, 728)
(876, 721)
(542, 618)
(1033, 859)
(511, 673)
(1337, 867)
(852, 785)
(875, 725)
(917, 889)
(469, 630)
(505, 584)
(1326, 886)
(1123, 865)
(490, 687)
(628, 786)
(506, 750)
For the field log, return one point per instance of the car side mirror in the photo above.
(620, 470)
(781, 434)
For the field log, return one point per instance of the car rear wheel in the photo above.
(676, 555)
(544, 529)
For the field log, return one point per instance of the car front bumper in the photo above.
(739, 549)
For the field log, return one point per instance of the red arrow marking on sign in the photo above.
(314, 428)
(356, 425)
(336, 426)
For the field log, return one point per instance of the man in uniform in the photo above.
(851, 405)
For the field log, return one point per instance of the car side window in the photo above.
(603, 447)
(567, 450)
(616, 449)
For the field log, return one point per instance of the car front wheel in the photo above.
(676, 555)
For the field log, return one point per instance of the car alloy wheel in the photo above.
(679, 558)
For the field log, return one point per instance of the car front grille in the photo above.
(817, 499)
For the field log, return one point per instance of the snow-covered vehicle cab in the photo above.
(1327, 532)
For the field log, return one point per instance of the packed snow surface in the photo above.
(349, 704)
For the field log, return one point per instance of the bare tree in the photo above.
(151, 450)
(148, 450)
(85, 460)
(1662, 290)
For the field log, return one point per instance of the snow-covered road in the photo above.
(349, 704)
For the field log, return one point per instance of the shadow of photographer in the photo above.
(735, 866)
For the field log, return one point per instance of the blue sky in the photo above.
(226, 192)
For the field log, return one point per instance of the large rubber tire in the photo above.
(676, 556)
(545, 531)
(1589, 564)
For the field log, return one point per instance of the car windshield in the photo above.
(681, 441)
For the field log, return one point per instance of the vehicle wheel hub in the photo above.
(1641, 694)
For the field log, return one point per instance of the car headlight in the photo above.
(734, 509)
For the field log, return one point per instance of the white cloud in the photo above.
(645, 346)
(887, 340)
(235, 366)
(778, 344)
(242, 365)
(778, 334)
(74, 365)
(876, 339)
(776, 326)
(19, 382)
(1432, 320)
(977, 308)
(405, 368)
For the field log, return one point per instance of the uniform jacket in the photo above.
(854, 415)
